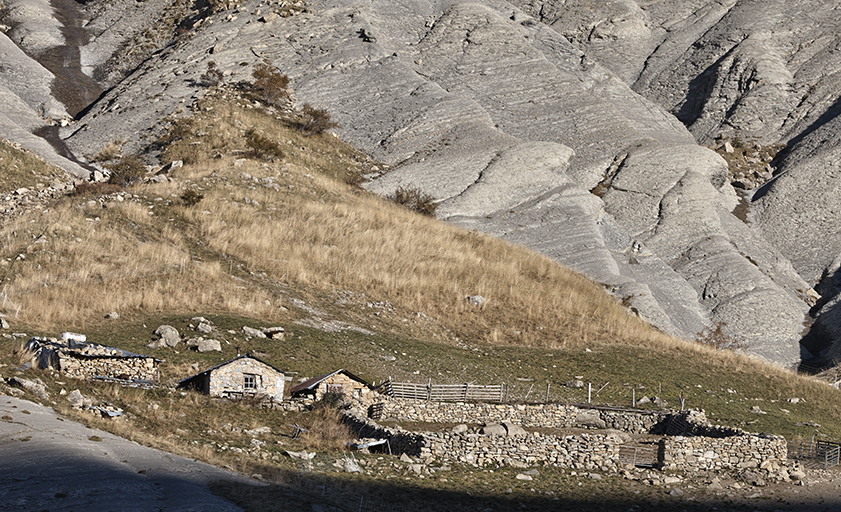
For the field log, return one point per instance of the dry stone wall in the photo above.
(526, 415)
(744, 451)
(720, 448)
(124, 368)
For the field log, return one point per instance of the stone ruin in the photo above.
(75, 357)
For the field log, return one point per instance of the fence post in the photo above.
(633, 397)
(465, 392)
(547, 392)
(589, 392)
(429, 390)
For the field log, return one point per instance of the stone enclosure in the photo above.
(609, 447)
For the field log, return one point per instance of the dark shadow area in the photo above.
(580, 492)
(36, 476)
(825, 329)
(698, 93)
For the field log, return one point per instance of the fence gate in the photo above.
(815, 454)
(637, 455)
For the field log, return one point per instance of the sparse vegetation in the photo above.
(415, 199)
(111, 151)
(213, 76)
(715, 337)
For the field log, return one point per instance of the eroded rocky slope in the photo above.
(577, 128)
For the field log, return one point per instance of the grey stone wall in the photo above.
(719, 448)
(526, 415)
(126, 368)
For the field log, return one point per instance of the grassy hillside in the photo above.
(245, 238)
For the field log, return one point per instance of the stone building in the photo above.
(80, 359)
(339, 381)
(243, 376)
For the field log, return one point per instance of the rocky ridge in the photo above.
(570, 127)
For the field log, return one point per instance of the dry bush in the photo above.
(261, 147)
(315, 121)
(269, 83)
(415, 199)
(111, 151)
(96, 188)
(212, 77)
(715, 337)
(326, 430)
(126, 171)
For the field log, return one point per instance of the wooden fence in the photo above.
(445, 392)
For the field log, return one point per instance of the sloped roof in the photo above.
(184, 381)
(312, 383)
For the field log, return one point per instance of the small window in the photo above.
(335, 388)
(249, 381)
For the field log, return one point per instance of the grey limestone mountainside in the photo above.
(572, 127)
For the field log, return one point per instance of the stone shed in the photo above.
(80, 359)
(339, 381)
(243, 376)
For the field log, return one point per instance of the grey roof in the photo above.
(312, 383)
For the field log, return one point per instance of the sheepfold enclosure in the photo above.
(602, 438)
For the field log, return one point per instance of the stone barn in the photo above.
(339, 381)
(243, 376)
(91, 361)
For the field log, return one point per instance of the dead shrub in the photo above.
(213, 76)
(715, 337)
(269, 83)
(110, 151)
(315, 121)
(95, 188)
(415, 199)
(326, 430)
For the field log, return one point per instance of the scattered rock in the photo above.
(522, 476)
(112, 315)
(169, 335)
(476, 300)
(36, 387)
(459, 429)
(252, 332)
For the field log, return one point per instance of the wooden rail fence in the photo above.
(445, 392)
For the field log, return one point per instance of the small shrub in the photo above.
(715, 337)
(212, 77)
(126, 171)
(262, 147)
(270, 83)
(415, 199)
(191, 198)
(315, 120)
(180, 129)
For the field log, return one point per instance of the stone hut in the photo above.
(339, 381)
(79, 359)
(243, 376)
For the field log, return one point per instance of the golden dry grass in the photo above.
(265, 229)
